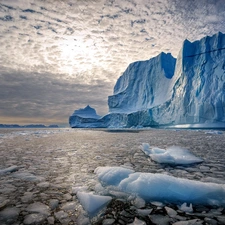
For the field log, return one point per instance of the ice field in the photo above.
(78, 176)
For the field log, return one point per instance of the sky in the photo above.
(57, 56)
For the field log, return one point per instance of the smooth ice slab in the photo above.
(173, 155)
(165, 188)
(91, 203)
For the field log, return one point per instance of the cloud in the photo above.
(90, 42)
(37, 96)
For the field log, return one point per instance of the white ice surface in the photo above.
(91, 203)
(172, 155)
(163, 188)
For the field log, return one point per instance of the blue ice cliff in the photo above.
(164, 91)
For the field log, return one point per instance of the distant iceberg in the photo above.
(164, 91)
(86, 117)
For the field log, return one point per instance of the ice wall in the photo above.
(143, 85)
(199, 94)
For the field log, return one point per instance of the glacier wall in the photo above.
(143, 85)
(199, 92)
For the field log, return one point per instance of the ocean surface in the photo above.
(41, 170)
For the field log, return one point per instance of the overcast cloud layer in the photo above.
(59, 55)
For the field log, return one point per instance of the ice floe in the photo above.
(163, 188)
(93, 203)
(173, 155)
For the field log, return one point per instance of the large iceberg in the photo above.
(194, 94)
(164, 91)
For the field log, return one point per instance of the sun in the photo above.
(77, 55)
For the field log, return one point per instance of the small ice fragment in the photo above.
(69, 206)
(9, 215)
(28, 177)
(144, 212)
(28, 197)
(189, 222)
(43, 184)
(93, 203)
(63, 217)
(108, 221)
(51, 220)
(34, 218)
(67, 196)
(137, 222)
(186, 208)
(38, 207)
(139, 202)
(170, 212)
(53, 203)
(76, 189)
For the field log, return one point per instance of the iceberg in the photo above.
(188, 91)
(86, 117)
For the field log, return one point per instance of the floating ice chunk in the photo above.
(112, 176)
(172, 155)
(76, 189)
(53, 203)
(108, 221)
(137, 222)
(63, 217)
(43, 184)
(34, 218)
(69, 206)
(10, 169)
(171, 212)
(214, 132)
(38, 207)
(139, 202)
(91, 203)
(51, 220)
(28, 177)
(144, 212)
(28, 197)
(9, 215)
(160, 219)
(165, 188)
(189, 222)
(185, 208)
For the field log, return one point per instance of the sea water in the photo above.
(42, 170)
